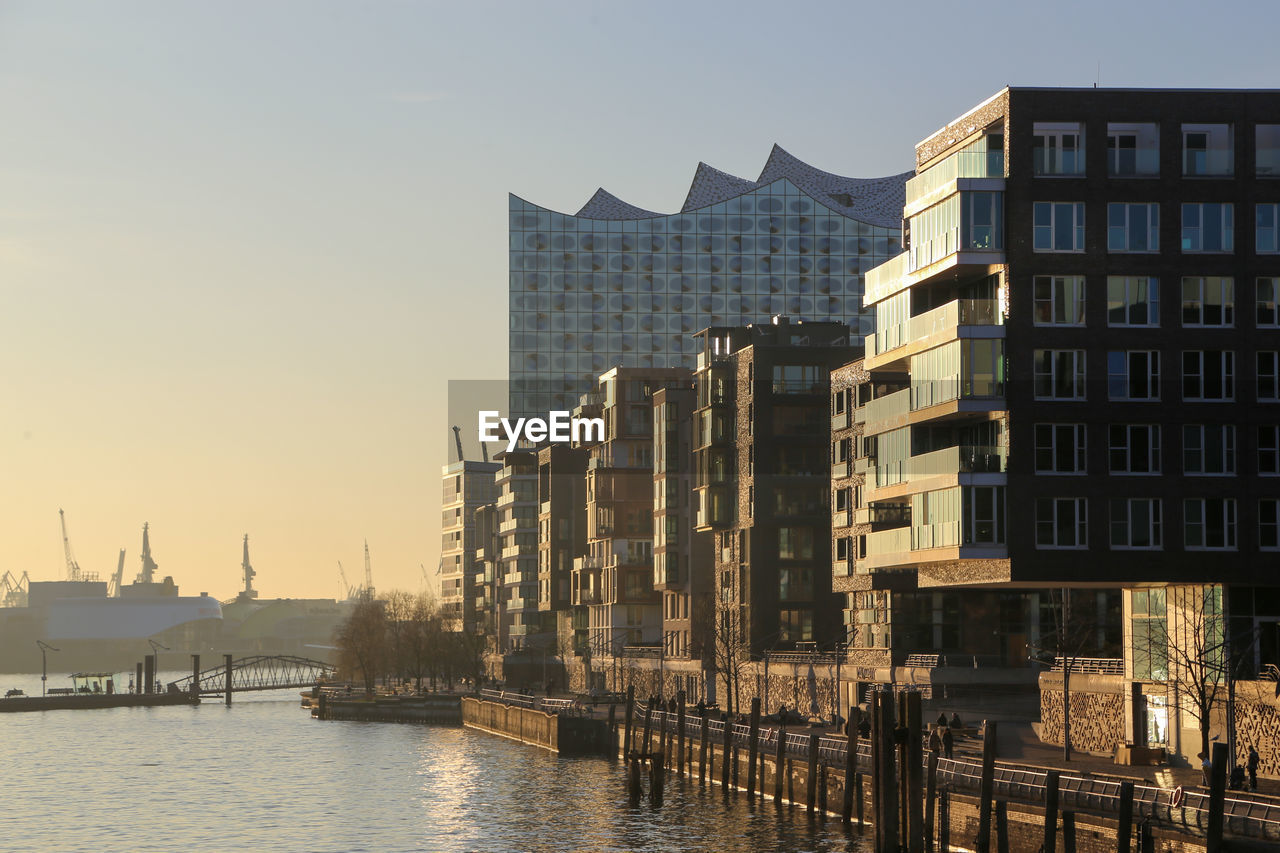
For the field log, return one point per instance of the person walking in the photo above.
(1252, 766)
(948, 742)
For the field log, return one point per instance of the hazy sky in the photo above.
(243, 246)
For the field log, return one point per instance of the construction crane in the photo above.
(349, 590)
(148, 573)
(13, 590)
(249, 573)
(367, 592)
(113, 589)
(457, 439)
(73, 568)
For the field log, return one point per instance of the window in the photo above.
(985, 511)
(1207, 150)
(795, 584)
(1208, 300)
(1133, 300)
(1135, 523)
(1209, 524)
(1133, 227)
(1268, 231)
(1150, 635)
(1269, 524)
(1061, 523)
(795, 543)
(799, 379)
(1133, 150)
(1208, 449)
(1267, 149)
(1135, 448)
(1208, 227)
(1208, 375)
(796, 626)
(1058, 148)
(1060, 449)
(1269, 450)
(983, 220)
(1268, 388)
(1266, 290)
(1059, 374)
(1058, 226)
(1133, 375)
(1059, 300)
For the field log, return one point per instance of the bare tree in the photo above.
(732, 651)
(422, 639)
(398, 608)
(1073, 635)
(362, 642)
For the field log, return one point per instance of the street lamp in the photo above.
(44, 663)
(155, 657)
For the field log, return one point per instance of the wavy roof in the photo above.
(876, 201)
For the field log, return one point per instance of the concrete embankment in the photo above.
(389, 709)
(83, 702)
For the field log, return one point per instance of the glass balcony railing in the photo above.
(933, 392)
(962, 164)
(962, 459)
(959, 312)
(896, 541)
(884, 408)
(944, 534)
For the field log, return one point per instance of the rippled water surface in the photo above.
(262, 775)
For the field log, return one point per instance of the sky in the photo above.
(244, 246)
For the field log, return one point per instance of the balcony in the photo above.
(586, 596)
(882, 514)
(840, 421)
(840, 469)
(513, 551)
(885, 413)
(962, 164)
(948, 463)
(544, 507)
(906, 270)
(960, 318)
(514, 524)
(508, 498)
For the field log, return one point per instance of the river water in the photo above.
(263, 776)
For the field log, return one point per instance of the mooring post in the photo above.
(138, 685)
(628, 715)
(779, 756)
(227, 663)
(1125, 830)
(702, 747)
(889, 775)
(811, 781)
(753, 746)
(633, 780)
(725, 759)
(195, 675)
(1002, 827)
(149, 674)
(983, 843)
(857, 801)
(648, 723)
(914, 771)
(656, 773)
(822, 788)
(944, 822)
(680, 733)
(850, 762)
(877, 774)
(663, 736)
(1217, 791)
(1050, 843)
(930, 793)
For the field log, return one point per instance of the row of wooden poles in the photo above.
(904, 806)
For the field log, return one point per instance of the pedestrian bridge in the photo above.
(259, 672)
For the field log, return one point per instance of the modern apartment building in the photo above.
(524, 627)
(762, 480)
(1086, 316)
(562, 538)
(466, 486)
(614, 580)
(615, 285)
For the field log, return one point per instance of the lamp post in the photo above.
(155, 656)
(44, 663)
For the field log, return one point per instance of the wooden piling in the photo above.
(857, 785)
(1050, 843)
(633, 779)
(724, 754)
(887, 785)
(227, 663)
(657, 775)
(627, 716)
(811, 788)
(1002, 826)
(914, 771)
(663, 736)
(680, 733)
(944, 821)
(195, 675)
(983, 843)
(702, 748)
(1217, 791)
(753, 746)
(850, 762)
(930, 797)
(648, 722)
(822, 788)
(1125, 830)
(138, 686)
(779, 756)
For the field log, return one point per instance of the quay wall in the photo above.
(558, 733)
(390, 709)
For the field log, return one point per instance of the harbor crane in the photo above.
(249, 573)
(367, 592)
(349, 589)
(148, 573)
(73, 568)
(113, 590)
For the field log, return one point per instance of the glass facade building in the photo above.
(617, 286)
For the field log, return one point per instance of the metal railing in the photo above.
(1096, 666)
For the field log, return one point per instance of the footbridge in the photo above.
(259, 672)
